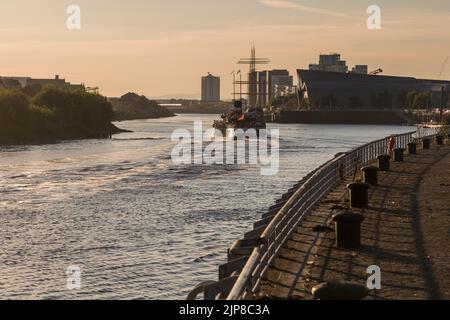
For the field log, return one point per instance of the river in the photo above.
(139, 226)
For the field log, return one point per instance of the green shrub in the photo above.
(14, 107)
(75, 107)
(31, 90)
(53, 109)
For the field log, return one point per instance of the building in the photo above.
(253, 89)
(360, 69)
(8, 83)
(279, 82)
(272, 84)
(333, 63)
(357, 91)
(22, 82)
(263, 89)
(210, 88)
(330, 63)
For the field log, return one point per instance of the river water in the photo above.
(139, 226)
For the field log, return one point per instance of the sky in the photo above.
(163, 47)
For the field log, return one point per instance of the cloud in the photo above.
(280, 4)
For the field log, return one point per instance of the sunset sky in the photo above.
(163, 47)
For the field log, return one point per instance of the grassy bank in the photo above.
(135, 107)
(53, 113)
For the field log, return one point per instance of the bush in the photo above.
(53, 110)
(14, 107)
(75, 107)
(41, 118)
(32, 90)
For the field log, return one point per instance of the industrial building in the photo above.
(331, 63)
(272, 84)
(264, 86)
(337, 91)
(7, 83)
(21, 82)
(210, 88)
(330, 85)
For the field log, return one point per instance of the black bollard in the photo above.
(439, 140)
(384, 162)
(348, 229)
(426, 143)
(370, 175)
(412, 148)
(359, 194)
(399, 154)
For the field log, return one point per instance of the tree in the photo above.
(286, 101)
(55, 111)
(410, 99)
(14, 107)
(32, 90)
(305, 104)
(422, 100)
(75, 107)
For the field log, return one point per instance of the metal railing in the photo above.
(309, 195)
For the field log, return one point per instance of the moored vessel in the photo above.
(250, 119)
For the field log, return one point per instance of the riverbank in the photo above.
(13, 135)
(134, 107)
(50, 114)
(404, 233)
(346, 117)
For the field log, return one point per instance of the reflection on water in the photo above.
(139, 226)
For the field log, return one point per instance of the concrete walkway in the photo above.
(406, 233)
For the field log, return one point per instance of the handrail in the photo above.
(308, 195)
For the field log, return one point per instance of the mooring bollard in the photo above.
(384, 162)
(335, 290)
(399, 154)
(439, 140)
(348, 229)
(412, 148)
(370, 175)
(359, 194)
(426, 143)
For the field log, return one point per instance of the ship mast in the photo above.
(252, 82)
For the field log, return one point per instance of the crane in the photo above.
(378, 71)
(443, 67)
